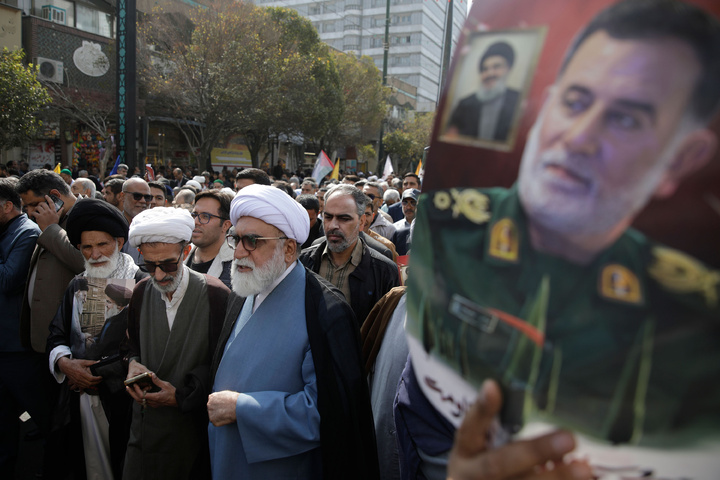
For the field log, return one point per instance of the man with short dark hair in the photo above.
(159, 194)
(122, 170)
(113, 192)
(362, 274)
(311, 204)
(308, 187)
(174, 322)
(22, 372)
(321, 196)
(249, 176)
(47, 199)
(180, 178)
(210, 253)
(487, 114)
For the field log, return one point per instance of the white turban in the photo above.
(161, 224)
(193, 183)
(272, 206)
(199, 178)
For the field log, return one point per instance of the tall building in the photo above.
(416, 35)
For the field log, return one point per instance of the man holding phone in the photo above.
(47, 200)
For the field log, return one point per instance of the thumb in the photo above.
(472, 436)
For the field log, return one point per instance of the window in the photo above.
(404, 39)
(54, 14)
(328, 27)
(376, 42)
(314, 10)
(402, 19)
(93, 21)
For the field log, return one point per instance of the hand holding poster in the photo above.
(551, 269)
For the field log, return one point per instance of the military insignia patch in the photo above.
(681, 273)
(619, 283)
(504, 242)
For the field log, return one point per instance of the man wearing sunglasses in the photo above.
(210, 253)
(173, 325)
(381, 222)
(290, 398)
(136, 197)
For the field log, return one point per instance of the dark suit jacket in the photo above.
(466, 116)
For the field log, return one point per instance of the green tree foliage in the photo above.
(243, 69)
(21, 97)
(406, 143)
(364, 102)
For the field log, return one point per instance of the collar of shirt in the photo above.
(355, 257)
(171, 306)
(260, 297)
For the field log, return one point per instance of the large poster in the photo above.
(566, 237)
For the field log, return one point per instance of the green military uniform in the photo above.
(626, 348)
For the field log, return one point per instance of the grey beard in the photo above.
(172, 286)
(487, 94)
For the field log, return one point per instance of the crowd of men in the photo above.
(254, 329)
(276, 276)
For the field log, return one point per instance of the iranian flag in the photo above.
(323, 166)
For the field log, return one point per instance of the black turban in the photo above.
(499, 49)
(118, 294)
(90, 214)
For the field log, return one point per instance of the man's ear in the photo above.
(186, 251)
(290, 249)
(695, 151)
(120, 243)
(226, 226)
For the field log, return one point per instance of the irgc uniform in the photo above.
(626, 348)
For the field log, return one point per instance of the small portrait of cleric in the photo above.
(493, 74)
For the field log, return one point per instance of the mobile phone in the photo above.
(58, 203)
(143, 380)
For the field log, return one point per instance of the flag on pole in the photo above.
(419, 168)
(323, 166)
(150, 172)
(57, 169)
(335, 175)
(388, 168)
(114, 169)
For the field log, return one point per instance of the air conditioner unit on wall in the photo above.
(49, 70)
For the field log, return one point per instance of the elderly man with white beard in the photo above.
(173, 326)
(97, 413)
(289, 395)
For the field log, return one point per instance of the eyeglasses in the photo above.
(205, 217)
(249, 242)
(372, 197)
(167, 267)
(139, 196)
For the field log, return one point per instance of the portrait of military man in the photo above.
(545, 286)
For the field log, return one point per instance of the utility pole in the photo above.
(386, 49)
(126, 82)
(448, 45)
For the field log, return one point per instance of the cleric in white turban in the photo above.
(161, 225)
(273, 206)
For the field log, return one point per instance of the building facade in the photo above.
(416, 35)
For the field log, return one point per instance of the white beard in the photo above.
(260, 278)
(112, 310)
(106, 270)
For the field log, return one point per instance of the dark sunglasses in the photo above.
(167, 267)
(372, 197)
(205, 217)
(249, 242)
(139, 196)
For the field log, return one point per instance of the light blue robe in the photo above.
(277, 432)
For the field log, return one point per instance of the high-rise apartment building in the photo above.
(416, 35)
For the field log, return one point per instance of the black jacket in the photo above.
(372, 279)
(347, 431)
(466, 116)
